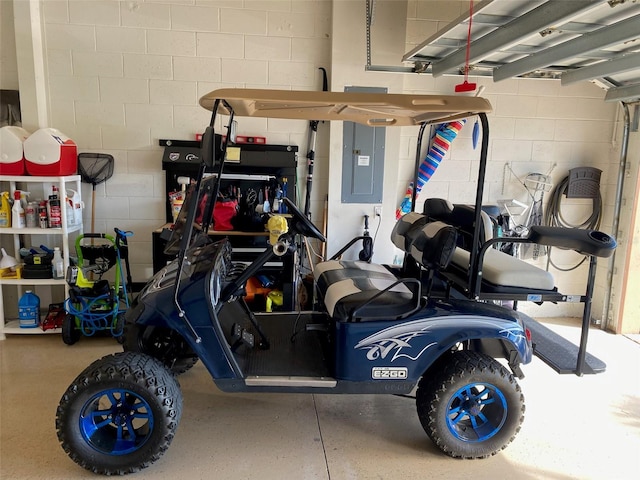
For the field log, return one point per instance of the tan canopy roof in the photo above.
(374, 109)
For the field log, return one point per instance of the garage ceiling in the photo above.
(573, 40)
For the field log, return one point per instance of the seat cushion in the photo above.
(433, 245)
(333, 271)
(462, 217)
(504, 270)
(403, 232)
(355, 265)
(344, 296)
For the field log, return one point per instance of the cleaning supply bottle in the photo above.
(29, 310)
(17, 212)
(5, 210)
(74, 208)
(31, 215)
(57, 264)
(24, 198)
(55, 214)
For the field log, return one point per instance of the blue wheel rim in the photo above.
(116, 421)
(476, 412)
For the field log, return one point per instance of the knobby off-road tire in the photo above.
(164, 344)
(471, 407)
(120, 414)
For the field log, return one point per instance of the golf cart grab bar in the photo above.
(349, 244)
(416, 295)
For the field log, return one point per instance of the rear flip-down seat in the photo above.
(499, 270)
(359, 291)
(504, 270)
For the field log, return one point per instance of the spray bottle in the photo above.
(17, 212)
(5, 210)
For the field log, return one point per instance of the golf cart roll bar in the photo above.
(371, 109)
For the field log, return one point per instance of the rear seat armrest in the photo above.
(586, 242)
(416, 295)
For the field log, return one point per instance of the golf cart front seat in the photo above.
(360, 291)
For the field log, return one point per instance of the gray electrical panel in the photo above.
(362, 158)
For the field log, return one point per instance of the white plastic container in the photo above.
(49, 152)
(74, 207)
(57, 264)
(12, 140)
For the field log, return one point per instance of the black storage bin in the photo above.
(37, 271)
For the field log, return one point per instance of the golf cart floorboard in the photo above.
(559, 353)
(302, 357)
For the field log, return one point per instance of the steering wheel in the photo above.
(305, 226)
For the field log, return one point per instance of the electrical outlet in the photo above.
(377, 210)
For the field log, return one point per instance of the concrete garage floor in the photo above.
(587, 428)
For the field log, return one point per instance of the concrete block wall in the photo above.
(8, 60)
(123, 74)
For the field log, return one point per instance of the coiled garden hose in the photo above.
(553, 218)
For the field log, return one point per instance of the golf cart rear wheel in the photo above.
(165, 344)
(70, 334)
(472, 407)
(120, 414)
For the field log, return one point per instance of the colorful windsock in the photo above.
(444, 135)
(405, 206)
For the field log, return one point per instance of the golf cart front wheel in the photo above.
(472, 408)
(120, 414)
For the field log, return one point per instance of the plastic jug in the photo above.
(74, 207)
(29, 310)
(57, 264)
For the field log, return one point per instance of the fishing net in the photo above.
(95, 168)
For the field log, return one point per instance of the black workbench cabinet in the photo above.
(248, 170)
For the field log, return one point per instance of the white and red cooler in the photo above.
(12, 140)
(49, 152)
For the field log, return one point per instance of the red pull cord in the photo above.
(466, 86)
(466, 60)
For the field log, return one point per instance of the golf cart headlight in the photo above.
(72, 275)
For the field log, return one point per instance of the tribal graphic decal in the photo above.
(399, 341)
(396, 339)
